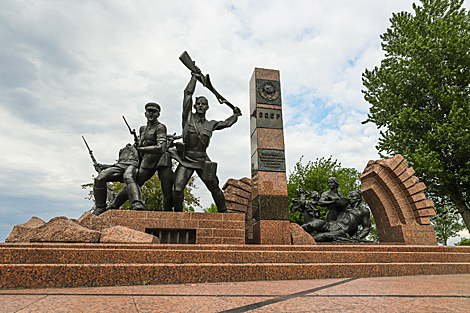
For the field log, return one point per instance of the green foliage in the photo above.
(447, 223)
(314, 174)
(152, 195)
(211, 209)
(420, 97)
(373, 234)
(463, 242)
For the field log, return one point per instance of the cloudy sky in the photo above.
(73, 68)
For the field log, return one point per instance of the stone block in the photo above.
(120, 234)
(236, 207)
(235, 198)
(419, 187)
(410, 182)
(267, 138)
(425, 212)
(269, 183)
(237, 191)
(244, 185)
(267, 232)
(23, 232)
(246, 180)
(300, 236)
(423, 220)
(271, 208)
(417, 197)
(63, 230)
(399, 169)
(423, 204)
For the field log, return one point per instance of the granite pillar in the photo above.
(268, 165)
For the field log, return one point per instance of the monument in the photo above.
(268, 164)
(47, 255)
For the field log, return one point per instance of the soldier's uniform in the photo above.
(197, 132)
(153, 141)
(125, 170)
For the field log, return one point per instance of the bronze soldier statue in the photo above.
(152, 144)
(346, 224)
(125, 170)
(192, 156)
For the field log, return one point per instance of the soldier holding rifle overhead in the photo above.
(197, 132)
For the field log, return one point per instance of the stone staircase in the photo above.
(41, 265)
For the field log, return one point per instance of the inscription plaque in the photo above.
(269, 161)
(266, 118)
(268, 91)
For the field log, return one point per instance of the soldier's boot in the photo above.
(100, 200)
(135, 197)
(168, 203)
(119, 200)
(219, 200)
(178, 198)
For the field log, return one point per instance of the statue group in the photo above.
(153, 151)
(343, 219)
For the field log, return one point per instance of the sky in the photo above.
(73, 68)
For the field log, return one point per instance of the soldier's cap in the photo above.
(153, 105)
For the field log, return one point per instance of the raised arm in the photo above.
(229, 121)
(188, 98)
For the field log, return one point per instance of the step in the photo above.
(40, 265)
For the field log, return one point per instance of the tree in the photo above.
(447, 223)
(420, 98)
(312, 175)
(463, 242)
(211, 209)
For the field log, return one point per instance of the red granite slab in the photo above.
(212, 228)
(68, 265)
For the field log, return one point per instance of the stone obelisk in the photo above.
(268, 164)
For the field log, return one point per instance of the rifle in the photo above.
(98, 168)
(97, 165)
(205, 80)
(132, 131)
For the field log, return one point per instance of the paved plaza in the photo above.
(440, 293)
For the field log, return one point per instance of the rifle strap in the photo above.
(198, 131)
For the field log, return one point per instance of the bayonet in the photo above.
(132, 131)
(97, 165)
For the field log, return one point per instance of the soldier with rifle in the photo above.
(197, 132)
(152, 144)
(125, 170)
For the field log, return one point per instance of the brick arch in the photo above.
(397, 201)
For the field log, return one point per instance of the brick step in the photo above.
(97, 255)
(76, 275)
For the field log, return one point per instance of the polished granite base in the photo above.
(37, 265)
